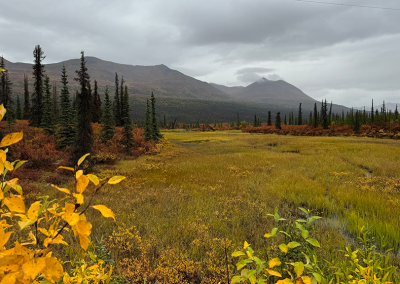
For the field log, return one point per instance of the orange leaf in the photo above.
(11, 138)
(53, 270)
(65, 190)
(83, 228)
(78, 174)
(84, 240)
(81, 183)
(79, 198)
(273, 272)
(33, 267)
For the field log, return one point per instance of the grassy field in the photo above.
(178, 210)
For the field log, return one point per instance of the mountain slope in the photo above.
(141, 80)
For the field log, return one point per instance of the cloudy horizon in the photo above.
(348, 55)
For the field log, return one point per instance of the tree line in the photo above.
(68, 117)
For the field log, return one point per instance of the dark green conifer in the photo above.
(117, 103)
(156, 134)
(127, 134)
(278, 120)
(269, 121)
(56, 108)
(66, 133)
(107, 132)
(83, 141)
(315, 116)
(10, 117)
(27, 103)
(18, 114)
(47, 122)
(148, 134)
(37, 95)
(300, 116)
(96, 109)
(372, 112)
(2, 82)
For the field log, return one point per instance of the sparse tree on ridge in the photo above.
(107, 132)
(83, 141)
(37, 95)
(47, 122)
(27, 103)
(66, 133)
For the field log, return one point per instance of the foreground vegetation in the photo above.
(207, 193)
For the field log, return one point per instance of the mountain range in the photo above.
(178, 95)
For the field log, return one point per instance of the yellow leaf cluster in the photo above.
(44, 224)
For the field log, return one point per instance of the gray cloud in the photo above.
(345, 54)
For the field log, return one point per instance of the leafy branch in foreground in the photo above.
(44, 223)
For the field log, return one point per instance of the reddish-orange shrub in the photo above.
(302, 130)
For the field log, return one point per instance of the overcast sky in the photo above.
(347, 55)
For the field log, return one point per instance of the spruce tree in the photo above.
(96, 109)
(324, 115)
(83, 140)
(8, 90)
(27, 103)
(269, 121)
(107, 132)
(2, 81)
(37, 95)
(18, 114)
(156, 134)
(47, 122)
(285, 121)
(396, 113)
(148, 134)
(56, 109)
(117, 102)
(66, 133)
(10, 117)
(278, 121)
(315, 116)
(127, 134)
(300, 116)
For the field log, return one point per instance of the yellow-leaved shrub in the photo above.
(41, 226)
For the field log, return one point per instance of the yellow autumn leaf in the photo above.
(104, 211)
(83, 158)
(33, 211)
(2, 109)
(79, 198)
(273, 272)
(33, 267)
(65, 190)
(25, 222)
(1, 167)
(306, 280)
(2, 156)
(78, 174)
(67, 168)
(116, 179)
(84, 241)
(57, 240)
(15, 204)
(299, 268)
(284, 281)
(93, 179)
(53, 270)
(283, 248)
(81, 183)
(4, 239)
(8, 166)
(11, 138)
(69, 216)
(83, 228)
(274, 262)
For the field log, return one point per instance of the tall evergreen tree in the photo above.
(37, 95)
(83, 140)
(278, 120)
(324, 115)
(156, 134)
(18, 114)
(269, 121)
(10, 117)
(117, 102)
(27, 103)
(66, 133)
(47, 122)
(285, 121)
(372, 112)
(315, 116)
(300, 116)
(107, 132)
(56, 109)
(396, 113)
(8, 90)
(127, 134)
(96, 109)
(148, 134)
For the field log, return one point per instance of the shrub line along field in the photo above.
(206, 190)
